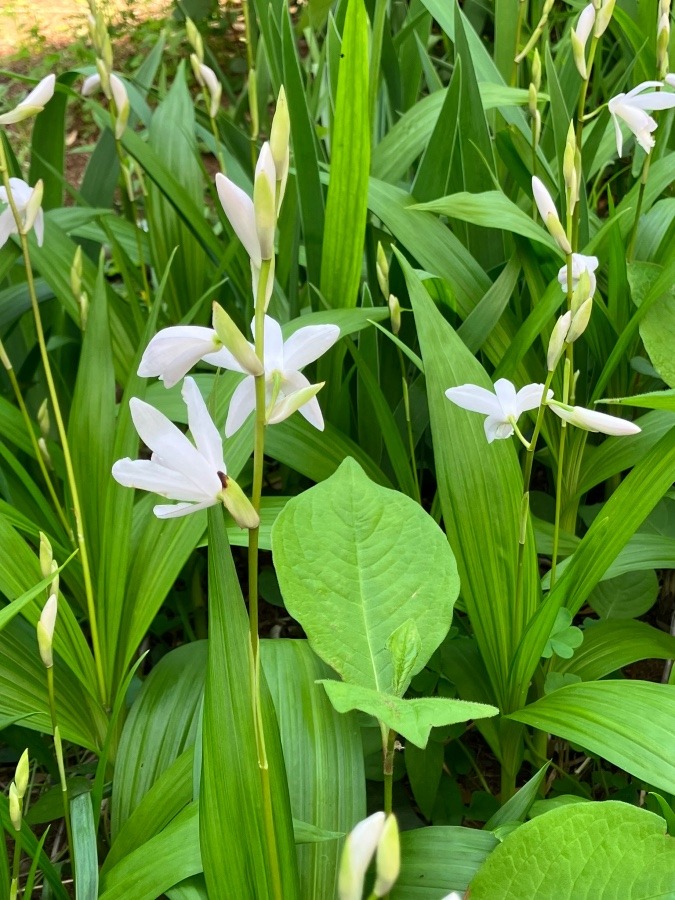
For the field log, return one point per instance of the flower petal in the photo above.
(206, 435)
(149, 475)
(173, 351)
(496, 429)
(238, 208)
(530, 397)
(174, 510)
(506, 394)
(223, 359)
(274, 346)
(298, 394)
(308, 344)
(475, 399)
(242, 405)
(90, 84)
(41, 94)
(7, 225)
(172, 447)
(39, 228)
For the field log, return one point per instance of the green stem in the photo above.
(580, 125)
(253, 544)
(388, 770)
(408, 419)
(638, 208)
(16, 866)
(214, 131)
(70, 473)
(519, 28)
(36, 448)
(58, 748)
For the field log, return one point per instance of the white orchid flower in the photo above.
(580, 264)
(193, 474)
(119, 95)
(580, 35)
(28, 204)
(634, 107)
(591, 420)
(286, 388)
(357, 853)
(549, 214)
(670, 79)
(33, 104)
(254, 220)
(503, 408)
(173, 351)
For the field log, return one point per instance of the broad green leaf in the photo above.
(440, 859)
(625, 596)
(413, 719)
(157, 865)
(610, 645)
(488, 208)
(650, 400)
(480, 488)
(84, 841)
(581, 852)
(347, 551)
(324, 761)
(231, 777)
(628, 723)
(346, 205)
(161, 726)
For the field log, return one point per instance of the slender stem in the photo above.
(519, 28)
(253, 543)
(70, 473)
(58, 748)
(36, 448)
(16, 866)
(408, 419)
(580, 126)
(214, 131)
(388, 770)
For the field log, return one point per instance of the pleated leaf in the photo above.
(628, 723)
(84, 846)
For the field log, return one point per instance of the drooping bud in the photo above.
(395, 313)
(33, 103)
(388, 859)
(580, 320)
(603, 17)
(22, 775)
(15, 808)
(44, 453)
(549, 214)
(382, 269)
(104, 78)
(264, 201)
(45, 630)
(579, 37)
(233, 340)
(237, 504)
(582, 291)
(570, 169)
(591, 420)
(194, 38)
(556, 344)
(280, 135)
(46, 555)
(358, 850)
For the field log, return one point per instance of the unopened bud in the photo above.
(43, 417)
(233, 340)
(106, 52)
(84, 310)
(358, 850)
(532, 99)
(662, 40)
(195, 38)
(549, 214)
(603, 17)
(253, 103)
(382, 269)
(15, 807)
(46, 555)
(44, 453)
(583, 290)
(104, 77)
(76, 273)
(556, 344)
(22, 774)
(33, 206)
(395, 313)
(579, 37)
(54, 589)
(579, 321)
(45, 630)
(121, 98)
(264, 201)
(237, 504)
(280, 135)
(536, 70)
(388, 859)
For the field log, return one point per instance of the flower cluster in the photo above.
(195, 474)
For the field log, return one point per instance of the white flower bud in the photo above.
(22, 775)
(280, 135)
(45, 630)
(549, 214)
(233, 340)
(395, 313)
(388, 859)
(580, 320)
(556, 344)
(46, 555)
(15, 808)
